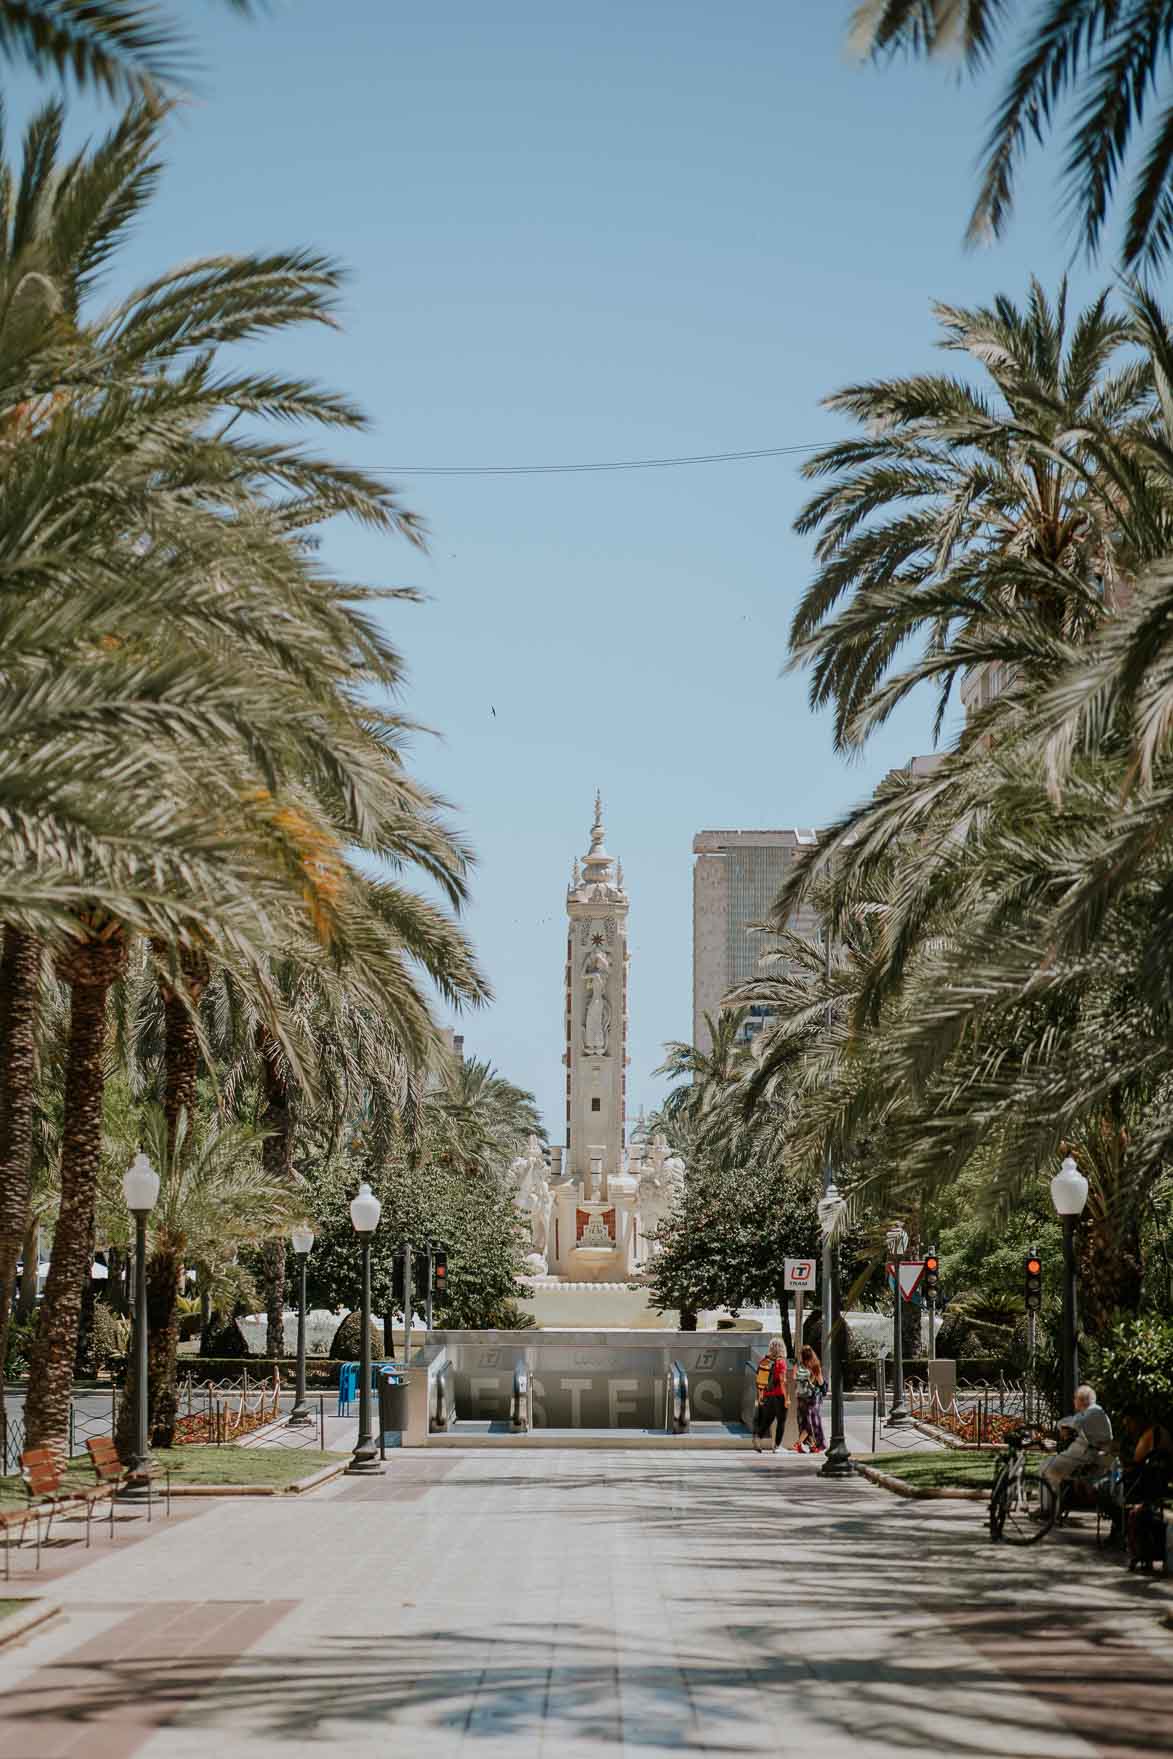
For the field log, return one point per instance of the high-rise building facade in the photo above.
(736, 877)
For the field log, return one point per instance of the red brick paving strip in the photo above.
(1112, 1693)
(109, 1695)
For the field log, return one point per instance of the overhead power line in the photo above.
(604, 464)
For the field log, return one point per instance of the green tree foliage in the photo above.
(423, 1199)
(726, 1243)
(1133, 1367)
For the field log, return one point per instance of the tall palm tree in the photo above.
(229, 668)
(1101, 61)
(979, 526)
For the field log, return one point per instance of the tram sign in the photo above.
(800, 1273)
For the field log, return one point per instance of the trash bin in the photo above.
(392, 1403)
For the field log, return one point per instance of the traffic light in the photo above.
(397, 1276)
(439, 1273)
(419, 1275)
(932, 1271)
(1033, 1292)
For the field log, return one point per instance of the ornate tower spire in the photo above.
(597, 827)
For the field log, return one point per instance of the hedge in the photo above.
(320, 1372)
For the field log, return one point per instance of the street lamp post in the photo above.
(897, 1247)
(1069, 1195)
(838, 1462)
(365, 1211)
(302, 1240)
(140, 1189)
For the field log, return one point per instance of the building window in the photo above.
(596, 1105)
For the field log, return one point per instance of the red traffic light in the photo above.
(930, 1264)
(1033, 1267)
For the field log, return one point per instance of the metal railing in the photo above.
(980, 1414)
(677, 1414)
(214, 1413)
(521, 1404)
(92, 1414)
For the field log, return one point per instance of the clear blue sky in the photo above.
(587, 233)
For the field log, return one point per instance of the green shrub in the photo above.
(21, 1333)
(1133, 1367)
(347, 1345)
(227, 1340)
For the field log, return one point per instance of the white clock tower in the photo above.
(596, 1016)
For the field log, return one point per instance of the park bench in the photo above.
(17, 1518)
(43, 1476)
(111, 1475)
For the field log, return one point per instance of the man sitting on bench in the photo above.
(1085, 1454)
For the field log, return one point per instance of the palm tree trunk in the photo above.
(277, 1158)
(783, 1300)
(181, 1067)
(181, 1049)
(164, 1269)
(20, 977)
(89, 968)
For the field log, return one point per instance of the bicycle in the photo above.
(1023, 1506)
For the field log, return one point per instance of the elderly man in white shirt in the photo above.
(1092, 1437)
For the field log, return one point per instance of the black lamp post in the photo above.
(302, 1240)
(1069, 1195)
(365, 1211)
(832, 1209)
(897, 1246)
(140, 1189)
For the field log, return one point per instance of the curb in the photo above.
(323, 1476)
(922, 1492)
(298, 1487)
(224, 1490)
(19, 1624)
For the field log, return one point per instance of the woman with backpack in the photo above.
(771, 1391)
(812, 1389)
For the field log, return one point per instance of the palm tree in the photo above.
(215, 1195)
(123, 47)
(981, 527)
(154, 769)
(1101, 59)
(481, 1121)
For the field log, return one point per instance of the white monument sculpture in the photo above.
(593, 1209)
(535, 1202)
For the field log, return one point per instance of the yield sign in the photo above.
(911, 1272)
(910, 1275)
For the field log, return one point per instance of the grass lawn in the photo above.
(236, 1465)
(932, 1469)
(207, 1465)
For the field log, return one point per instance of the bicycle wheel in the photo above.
(1030, 1507)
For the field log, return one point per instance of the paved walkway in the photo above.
(609, 1603)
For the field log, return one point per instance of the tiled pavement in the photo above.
(591, 1603)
